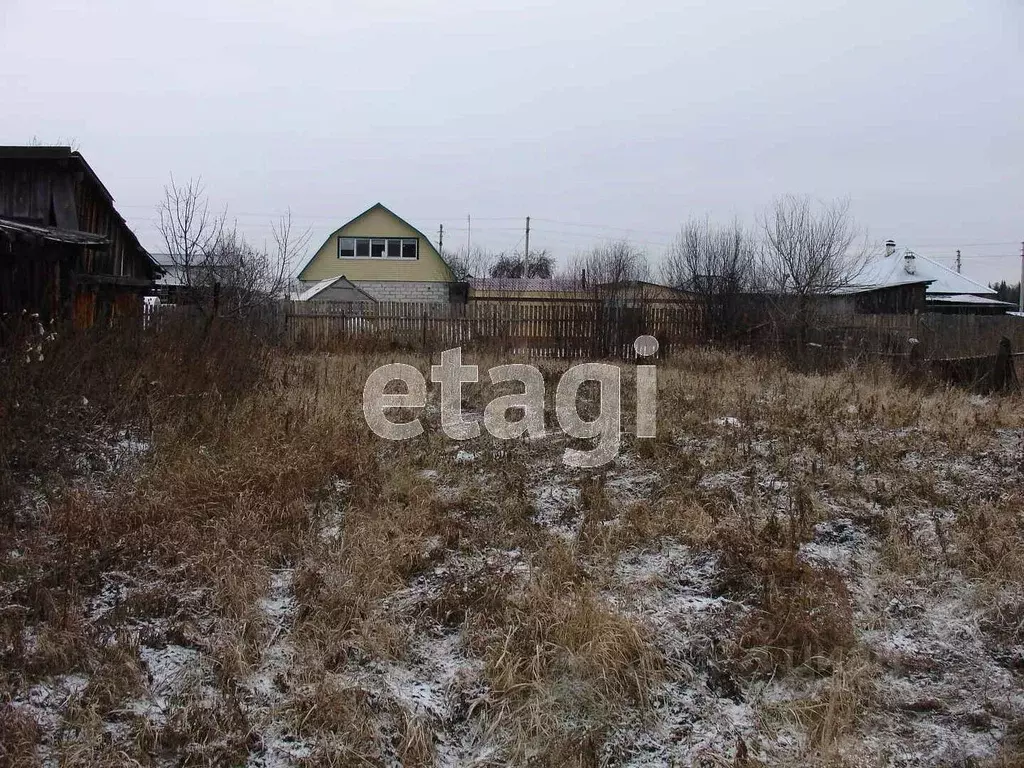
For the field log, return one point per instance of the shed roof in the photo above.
(334, 282)
(57, 153)
(532, 284)
(12, 227)
(970, 298)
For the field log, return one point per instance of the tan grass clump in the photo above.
(563, 667)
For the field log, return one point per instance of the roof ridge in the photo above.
(984, 288)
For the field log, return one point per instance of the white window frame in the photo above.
(403, 243)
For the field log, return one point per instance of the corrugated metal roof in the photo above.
(532, 284)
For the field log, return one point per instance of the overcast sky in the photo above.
(598, 119)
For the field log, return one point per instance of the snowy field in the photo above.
(798, 570)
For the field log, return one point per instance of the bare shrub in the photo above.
(719, 265)
(88, 385)
(808, 253)
(221, 273)
(803, 616)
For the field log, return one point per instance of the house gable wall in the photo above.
(377, 222)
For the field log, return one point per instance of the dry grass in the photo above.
(833, 712)
(268, 578)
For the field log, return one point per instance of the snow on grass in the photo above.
(632, 485)
(170, 669)
(692, 714)
(264, 691)
(556, 505)
(47, 700)
(954, 700)
(728, 421)
(836, 544)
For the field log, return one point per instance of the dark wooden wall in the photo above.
(61, 192)
(55, 187)
(897, 300)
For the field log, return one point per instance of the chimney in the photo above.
(908, 263)
(890, 247)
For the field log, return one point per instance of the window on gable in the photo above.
(378, 248)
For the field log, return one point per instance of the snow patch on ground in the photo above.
(695, 714)
(264, 689)
(556, 506)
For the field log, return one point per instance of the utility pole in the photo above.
(469, 235)
(527, 257)
(1020, 286)
(958, 261)
(440, 239)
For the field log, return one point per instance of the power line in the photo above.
(543, 232)
(606, 227)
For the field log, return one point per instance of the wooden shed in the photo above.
(66, 254)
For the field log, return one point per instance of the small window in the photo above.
(346, 248)
(410, 249)
(377, 249)
(362, 248)
(394, 249)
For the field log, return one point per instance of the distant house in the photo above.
(65, 251)
(185, 283)
(903, 282)
(382, 256)
(889, 284)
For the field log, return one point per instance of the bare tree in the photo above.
(539, 264)
(718, 264)
(464, 265)
(190, 233)
(290, 247)
(220, 271)
(618, 263)
(810, 251)
(615, 278)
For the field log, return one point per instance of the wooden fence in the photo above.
(936, 336)
(585, 329)
(550, 329)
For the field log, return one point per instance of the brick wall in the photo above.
(395, 290)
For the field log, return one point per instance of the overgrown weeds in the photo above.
(263, 577)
